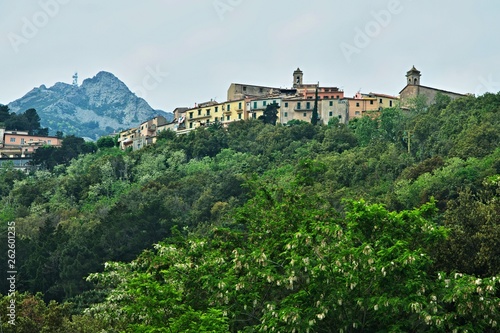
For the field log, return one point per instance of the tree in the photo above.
(105, 142)
(270, 115)
(33, 120)
(4, 113)
(290, 262)
(315, 116)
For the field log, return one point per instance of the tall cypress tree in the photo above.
(314, 118)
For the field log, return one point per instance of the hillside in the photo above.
(99, 106)
(255, 228)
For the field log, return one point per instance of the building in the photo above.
(334, 108)
(257, 106)
(17, 147)
(238, 91)
(413, 89)
(297, 108)
(370, 104)
(234, 111)
(21, 144)
(143, 135)
(127, 137)
(308, 91)
(203, 114)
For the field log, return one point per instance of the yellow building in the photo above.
(203, 114)
(233, 111)
(370, 104)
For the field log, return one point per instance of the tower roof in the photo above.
(413, 71)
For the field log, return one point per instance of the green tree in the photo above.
(270, 115)
(4, 113)
(105, 142)
(315, 115)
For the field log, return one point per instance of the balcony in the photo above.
(305, 109)
(202, 116)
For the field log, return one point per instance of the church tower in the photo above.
(413, 77)
(297, 78)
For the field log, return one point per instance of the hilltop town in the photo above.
(245, 101)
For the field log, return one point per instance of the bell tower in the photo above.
(297, 78)
(413, 77)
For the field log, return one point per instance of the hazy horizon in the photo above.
(178, 54)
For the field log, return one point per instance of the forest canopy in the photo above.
(387, 224)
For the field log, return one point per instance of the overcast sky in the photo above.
(177, 53)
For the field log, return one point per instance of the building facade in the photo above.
(21, 144)
(413, 89)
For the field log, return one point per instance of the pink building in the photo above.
(22, 144)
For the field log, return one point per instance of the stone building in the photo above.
(414, 88)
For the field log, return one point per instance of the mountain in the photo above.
(99, 106)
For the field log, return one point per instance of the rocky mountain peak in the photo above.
(99, 106)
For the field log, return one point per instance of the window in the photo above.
(229, 107)
(390, 103)
(190, 115)
(330, 114)
(239, 105)
(31, 140)
(261, 90)
(357, 104)
(371, 102)
(305, 114)
(274, 101)
(254, 115)
(199, 112)
(255, 105)
(286, 104)
(308, 105)
(264, 103)
(216, 109)
(208, 121)
(228, 118)
(239, 115)
(380, 100)
(208, 112)
(244, 88)
(331, 103)
(190, 125)
(356, 113)
(12, 139)
(22, 141)
(337, 96)
(49, 142)
(298, 105)
(285, 114)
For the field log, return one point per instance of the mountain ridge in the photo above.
(99, 106)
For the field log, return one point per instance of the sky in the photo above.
(177, 53)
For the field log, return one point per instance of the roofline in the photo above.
(446, 91)
(38, 136)
(252, 85)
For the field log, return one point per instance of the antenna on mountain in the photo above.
(75, 79)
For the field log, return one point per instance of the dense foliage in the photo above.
(384, 225)
(28, 121)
